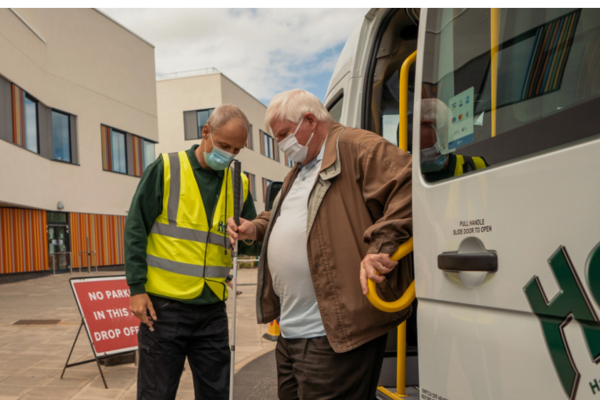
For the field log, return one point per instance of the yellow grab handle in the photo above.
(495, 38)
(403, 104)
(408, 296)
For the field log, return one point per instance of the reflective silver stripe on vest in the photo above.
(178, 232)
(187, 269)
(174, 188)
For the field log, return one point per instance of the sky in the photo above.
(265, 51)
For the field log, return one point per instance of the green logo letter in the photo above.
(570, 302)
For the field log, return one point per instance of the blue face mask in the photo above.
(432, 160)
(218, 159)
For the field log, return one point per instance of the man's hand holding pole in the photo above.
(373, 267)
(246, 230)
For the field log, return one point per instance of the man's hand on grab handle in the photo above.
(372, 264)
(246, 230)
(140, 304)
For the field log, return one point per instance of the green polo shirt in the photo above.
(146, 206)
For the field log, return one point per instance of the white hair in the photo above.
(225, 113)
(292, 105)
(437, 111)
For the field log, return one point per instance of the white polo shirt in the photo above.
(288, 259)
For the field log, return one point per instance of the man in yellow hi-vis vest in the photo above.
(178, 258)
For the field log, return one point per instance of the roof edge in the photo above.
(124, 27)
(243, 90)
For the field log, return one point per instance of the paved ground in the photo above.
(32, 356)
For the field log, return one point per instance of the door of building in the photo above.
(59, 241)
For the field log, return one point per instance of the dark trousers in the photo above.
(309, 369)
(181, 330)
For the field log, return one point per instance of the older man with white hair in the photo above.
(343, 210)
(178, 258)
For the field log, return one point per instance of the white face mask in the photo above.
(294, 150)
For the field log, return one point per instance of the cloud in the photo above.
(265, 51)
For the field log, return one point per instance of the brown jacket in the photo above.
(360, 204)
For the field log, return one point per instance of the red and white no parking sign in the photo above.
(104, 306)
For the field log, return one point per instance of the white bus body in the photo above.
(530, 330)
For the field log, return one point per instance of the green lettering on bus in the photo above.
(570, 303)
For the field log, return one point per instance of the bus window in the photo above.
(396, 40)
(547, 86)
(336, 109)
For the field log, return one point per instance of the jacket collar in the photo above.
(331, 165)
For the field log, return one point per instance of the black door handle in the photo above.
(453, 261)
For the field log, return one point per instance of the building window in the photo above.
(194, 121)
(31, 124)
(114, 151)
(56, 217)
(251, 184)
(61, 136)
(202, 116)
(25, 119)
(269, 146)
(249, 140)
(289, 162)
(119, 152)
(266, 182)
(149, 154)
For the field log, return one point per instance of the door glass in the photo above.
(545, 86)
(58, 242)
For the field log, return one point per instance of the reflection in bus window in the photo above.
(547, 80)
(437, 162)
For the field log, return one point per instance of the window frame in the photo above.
(273, 146)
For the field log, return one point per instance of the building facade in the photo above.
(184, 105)
(78, 125)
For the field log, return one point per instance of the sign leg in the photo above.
(101, 373)
(71, 352)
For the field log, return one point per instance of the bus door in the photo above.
(506, 203)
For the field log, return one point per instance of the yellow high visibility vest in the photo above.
(184, 252)
(460, 160)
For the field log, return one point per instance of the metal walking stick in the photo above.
(238, 202)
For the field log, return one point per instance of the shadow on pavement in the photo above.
(257, 380)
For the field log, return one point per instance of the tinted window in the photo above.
(202, 117)
(541, 94)
(336, 109)
(61, 136)
(149, 155)
(31, 124)
(119, 156)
